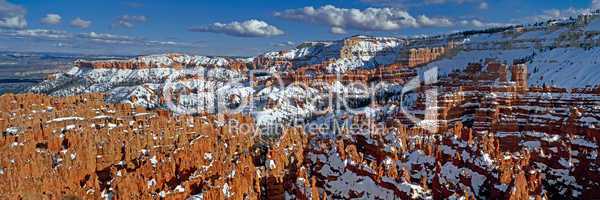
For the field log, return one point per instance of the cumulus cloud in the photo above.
(370, 19)
(51, 19)
(129, 21)
(80, 23)
(249, 28)
(12, 16)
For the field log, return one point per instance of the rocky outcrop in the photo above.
(414, 57)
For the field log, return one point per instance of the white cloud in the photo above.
(36, 33)
(12, 16)
(51, 19)
(43, 33)
(337, 30)
(432, 22)
(483, 5)
(129, 21)
(15, 22)
(108, 38)
(165, 43)
(249, 28)
(80, 23)
(370, 19)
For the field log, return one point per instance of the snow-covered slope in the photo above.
(561, 54)
(343, 55)
(149, 85)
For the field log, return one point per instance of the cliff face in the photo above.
(415, 57)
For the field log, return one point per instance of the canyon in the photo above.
(502, 113)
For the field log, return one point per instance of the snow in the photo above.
(594, 26)
(179, 189)
(418, 157)
(61, 119)
(271, 164)
(463, 58)
(477, 181)
(367, 52)
(550, 63)
(449, 173)
(585, 143)
(227, 191)
(413, 191)
(70, 126)
(154, 161)
(565, 163)
(196, 197)
(531, 144)
(122, 84)
(501, 187)
(350, 181)
(208, 156)
(151, 183)
(107, 194)
(12, 130)
(566, 67)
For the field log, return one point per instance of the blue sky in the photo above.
(244, 27)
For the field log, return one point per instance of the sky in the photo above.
(245, 27)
